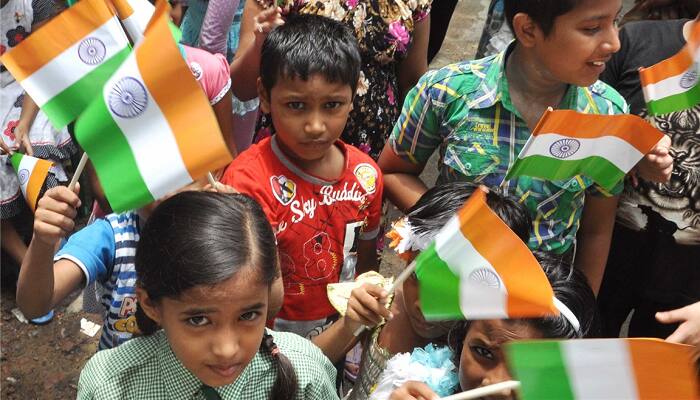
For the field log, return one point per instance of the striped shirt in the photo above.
(105, 252)
(146, 368)
(465, 110)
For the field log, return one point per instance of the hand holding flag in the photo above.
(32, 173)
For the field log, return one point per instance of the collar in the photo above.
(493, 86)
(296, 170)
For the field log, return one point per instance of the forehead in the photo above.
(498, 331)
(243, 288)
(316, 84)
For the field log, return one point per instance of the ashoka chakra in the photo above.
(23, 175)
(486, 277)
(128, 98)
(689, 79)
(92, 51)
(564, 148)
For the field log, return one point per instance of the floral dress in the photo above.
(384, 31)
(47, 142)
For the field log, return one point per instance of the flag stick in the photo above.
(212, 181)
(484, 391)
(399, 280)
(78, 171)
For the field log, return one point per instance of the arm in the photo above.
(413, 390)
(594, 236)
(402, 184)
(26, 119)
(245, 68)
(42, 284)
(224, 114)
(416, 62)
(217, 22)
(366, 306)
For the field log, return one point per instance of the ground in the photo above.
(44, 362)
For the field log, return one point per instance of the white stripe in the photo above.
(617, 151)
(673, 85)
(26, 166)
(133, 29)
(599, 369)
(150, 138)
(477, 301)
(143, 11)
(67, 68)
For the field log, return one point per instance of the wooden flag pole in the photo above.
(399, 280)
(484, 391)
(78, 172)
(211, 179)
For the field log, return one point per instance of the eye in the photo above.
(483, 352)
(592, 30)
(333, 104)
(198, 320)
(295, 105)
(250, 316)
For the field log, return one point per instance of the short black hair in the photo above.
(440, 203)
(308, 45)
(543, 12)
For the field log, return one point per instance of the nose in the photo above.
(496, 375)
(315, 125)
(612, 40)
(225, 344)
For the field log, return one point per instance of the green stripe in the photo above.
(112, 158)
(67, 105)
(438, 286)
(540, 368)
(602, 171)
(16, 159)
(677, 102)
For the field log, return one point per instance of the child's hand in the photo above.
(266, 21)
(54, 215)
(22, 138)
(367, 306)
(658, 164)
(4, 147)
(688, 331)
(413, 390)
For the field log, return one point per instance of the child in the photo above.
(480, 113)
(322, 197)
(477, 345)
(406, 328)
(205, 266)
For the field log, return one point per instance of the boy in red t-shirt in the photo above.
(322, 197)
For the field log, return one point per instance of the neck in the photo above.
(529, 79)
(329, 167)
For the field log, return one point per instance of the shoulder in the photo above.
(129, 362)
(459, 81)
(358, 157)
(606, 98)
(250, 162)
(308, 360)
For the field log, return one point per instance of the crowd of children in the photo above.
(220, 292)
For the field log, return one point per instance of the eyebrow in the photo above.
(253, 307)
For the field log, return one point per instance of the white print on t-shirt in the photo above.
(330, 196)
(367, 176)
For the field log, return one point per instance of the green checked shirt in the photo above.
(146, 368)
(465, 109)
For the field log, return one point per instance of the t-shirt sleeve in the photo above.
(416, 133)
(92, 249)
(598, 191)
(211, 72)
(216, 25)
(371, 229)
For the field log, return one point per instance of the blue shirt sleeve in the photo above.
(92, 249)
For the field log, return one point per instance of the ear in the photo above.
(264, 97)
(526, 30)
(149, 307)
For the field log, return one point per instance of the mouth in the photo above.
(225, 371)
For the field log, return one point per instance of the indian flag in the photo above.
(64, 64)
(32, 173)
(477, 268)
(565, 144)
(151, 131)
(603, 369)
(134, 15)
(673, 84)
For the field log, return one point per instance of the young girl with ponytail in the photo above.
(204, 268)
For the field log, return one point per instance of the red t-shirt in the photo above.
(317, 223)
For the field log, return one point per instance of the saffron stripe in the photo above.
(648, 357)
(672, 66)
(191, 123)
(53, 38)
